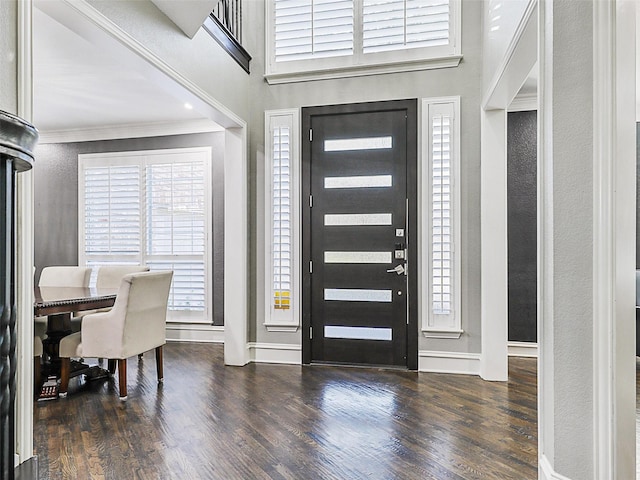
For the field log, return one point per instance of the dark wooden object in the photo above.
(261, 421)
(58, 303)
(17, 141)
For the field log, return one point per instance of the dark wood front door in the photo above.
(359, 234)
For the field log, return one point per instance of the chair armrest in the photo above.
(101, 335)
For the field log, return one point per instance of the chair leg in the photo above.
(65, 370)
(159, 367)
(122, 378)
(112, 366)
(37, 373)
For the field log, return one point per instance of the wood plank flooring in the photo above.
(263, 421)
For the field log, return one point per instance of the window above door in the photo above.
(319, 39)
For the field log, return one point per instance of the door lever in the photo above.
(399, 269)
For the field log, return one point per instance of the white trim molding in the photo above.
(546, 472)
(24, 247)
(449, 362)
(449, 61)
(195, 333)
(524, 103)
(523, 349)
(283, 353)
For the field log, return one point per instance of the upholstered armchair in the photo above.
(109, 276)
(65, 276)
(60, 276)
(135, 324)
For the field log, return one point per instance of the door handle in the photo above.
(399, 269)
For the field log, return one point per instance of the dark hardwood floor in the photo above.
(263, 421)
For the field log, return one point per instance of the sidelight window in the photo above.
(441, 218)
(282, 220)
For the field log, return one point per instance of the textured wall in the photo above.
(56, 199)
(521, 217)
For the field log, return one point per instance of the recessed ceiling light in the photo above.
(188, 106)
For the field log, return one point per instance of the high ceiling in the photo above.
(79, 86)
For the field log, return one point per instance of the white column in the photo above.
(493, 213)
(236, 248)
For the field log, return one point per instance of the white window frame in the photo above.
(358, 64)
(279, 320)
(433, 325)
(139, 157)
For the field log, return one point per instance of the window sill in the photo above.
(362, 70)
(448, 334)
(281, 328)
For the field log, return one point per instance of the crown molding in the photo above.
(524, 103)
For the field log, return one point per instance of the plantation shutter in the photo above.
(399, 24)
(442, 239)
(281, 221)
(112, 210)
(150, 208)
(313, 29)
(175, 227)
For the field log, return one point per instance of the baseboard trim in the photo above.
(195, 333)
(275, 353)
(546, 472)
(523, 349)
(449, 362)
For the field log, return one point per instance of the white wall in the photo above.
(501, 20)
(201, 60)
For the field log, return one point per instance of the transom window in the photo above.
(311, 38)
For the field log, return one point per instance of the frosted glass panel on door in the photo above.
(369, 143)
(370, 181)
(358, 333)
(357, 295)
(346, 219)
(357, 257)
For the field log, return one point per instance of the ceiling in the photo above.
(80, 86)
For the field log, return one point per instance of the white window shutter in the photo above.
(281, 220)
(440, 267)
(441, 213)
(313, 29)
(399, 24)
(112, 210)
(151, 208)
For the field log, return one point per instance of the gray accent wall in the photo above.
(464, 80)
(521, 230)
(56, 199)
